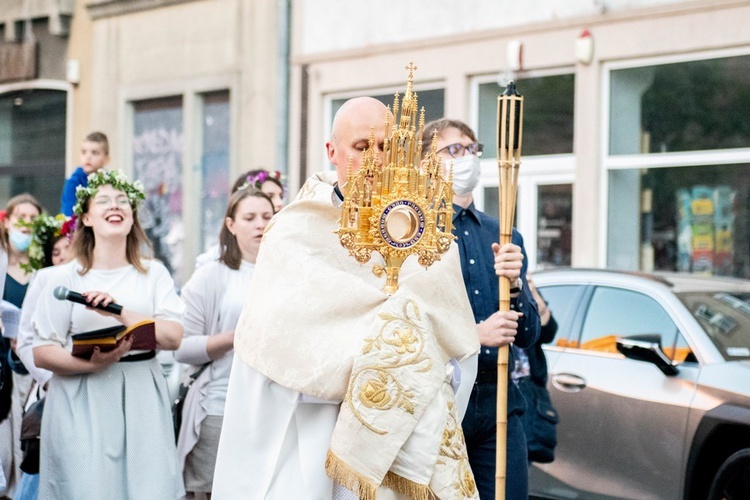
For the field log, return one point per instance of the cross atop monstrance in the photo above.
(403, 207)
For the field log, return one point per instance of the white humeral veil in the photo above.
(318, 330)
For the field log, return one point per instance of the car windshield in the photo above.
(725, 316)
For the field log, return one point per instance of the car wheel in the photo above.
(732, 480)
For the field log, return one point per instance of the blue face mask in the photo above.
(19, 240)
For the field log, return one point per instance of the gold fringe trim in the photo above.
(408, 487)
(349, 478)
(365, 489)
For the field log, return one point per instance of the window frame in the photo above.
(192, 92)
(535, 170)
(601, 287)
(610, 162)
(570, 326)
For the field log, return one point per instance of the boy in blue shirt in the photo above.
(94, 156)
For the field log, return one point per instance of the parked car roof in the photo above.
(678, 282)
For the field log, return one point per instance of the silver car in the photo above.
(651, 379)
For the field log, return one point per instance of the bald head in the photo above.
(351, 131)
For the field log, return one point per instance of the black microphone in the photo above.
(62, 293)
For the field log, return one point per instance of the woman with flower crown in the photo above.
(214, 297)
(15, 238)
(50, 246)
(267, 181)
(107, 428)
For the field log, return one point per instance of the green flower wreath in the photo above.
(116, 179)
(43, 229)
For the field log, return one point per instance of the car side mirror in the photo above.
(646, 348)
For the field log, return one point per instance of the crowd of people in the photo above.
(280, 332)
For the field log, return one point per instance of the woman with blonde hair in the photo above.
(107, 428)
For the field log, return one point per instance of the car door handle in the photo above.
(568, 382)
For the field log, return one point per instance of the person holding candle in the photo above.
(482, 261)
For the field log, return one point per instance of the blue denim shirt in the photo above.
(476, 232)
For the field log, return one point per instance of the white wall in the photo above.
(337, 25)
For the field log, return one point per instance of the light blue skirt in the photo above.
(109, 435)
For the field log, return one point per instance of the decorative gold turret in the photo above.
(404, 207)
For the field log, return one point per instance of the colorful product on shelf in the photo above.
(724, 229)
(684, 230)
(705, 230)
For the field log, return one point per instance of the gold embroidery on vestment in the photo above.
(307, 191)
(398, 345)
(453, 447)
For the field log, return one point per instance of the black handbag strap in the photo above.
(194, 376)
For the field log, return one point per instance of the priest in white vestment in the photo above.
(338, 390)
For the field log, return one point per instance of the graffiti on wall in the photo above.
(157, 162)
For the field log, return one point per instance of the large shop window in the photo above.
(214, 166)
(547, 115)
(157, 162)
(690, 219)
(679, 167)
(32, 145)
(687, 106)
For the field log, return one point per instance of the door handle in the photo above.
(568, 382)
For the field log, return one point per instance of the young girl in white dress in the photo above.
(107, 428)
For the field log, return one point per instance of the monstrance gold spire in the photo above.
(404, 207)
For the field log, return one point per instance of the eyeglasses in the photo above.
(459, 150)
(106, 201)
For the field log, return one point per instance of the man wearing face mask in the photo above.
(482, 261)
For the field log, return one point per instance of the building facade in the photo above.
(636, 143)
(36, 98)
(636, 139)
(191, 94)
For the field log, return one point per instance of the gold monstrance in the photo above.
(509, 132)
(403, 208)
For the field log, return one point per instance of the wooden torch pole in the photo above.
(509, 131)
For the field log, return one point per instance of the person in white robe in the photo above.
(338, 390)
